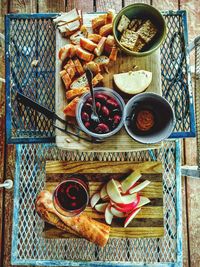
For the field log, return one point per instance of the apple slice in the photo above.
(108, 215)
(103, 193)
(143, 201)
(130, 180)
(128, 199)
(117, 213)
(101, 207)
(131, 216)
(94, 199)
(113, 191)
(127, 207)
(139, 187)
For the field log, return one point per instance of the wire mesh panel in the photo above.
(30, 68)
(176, 80)
(28, 245)
(30, 54)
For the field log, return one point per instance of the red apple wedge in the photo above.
(139, 187)
(131, 216)
(101, 207)
(130, 181)
(103, 193)
(143, 201)
(127, 207)
(117, 213)
(108, 215)
(94, 199)
(113, 191)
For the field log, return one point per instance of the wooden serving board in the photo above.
(121, 141)
(147, 223)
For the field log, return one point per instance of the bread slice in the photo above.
(87, 44)
(113, 54)
(110, 16)
(66, 51)
(93, 66)
(76, 92)
(123, 23)
(147, 31)
(84, 55)
(78, 66)
(67, 17)
(70, 109)
(70, 68)
(135, 24)
(100, 47)
(66, 79)
(129, 39)
(75, 38)
(102, 60)
(99, 21)
(82, 81)
(133, 82)
(94, 37)
(106, 30)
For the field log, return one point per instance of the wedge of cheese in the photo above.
(133, 82)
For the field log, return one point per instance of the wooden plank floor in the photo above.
(190, 187)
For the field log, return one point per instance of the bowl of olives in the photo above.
(110, 111)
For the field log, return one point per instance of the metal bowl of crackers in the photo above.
(139, 29)
(149, 118)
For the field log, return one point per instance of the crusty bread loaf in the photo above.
(82, 225)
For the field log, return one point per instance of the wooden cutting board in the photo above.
(147, 223)
(121, 141)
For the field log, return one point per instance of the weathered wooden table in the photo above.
(8, 151)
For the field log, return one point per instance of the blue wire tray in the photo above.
(30, 248)
(31, 37)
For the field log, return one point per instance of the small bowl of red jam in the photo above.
(149, 118)
(110, 110)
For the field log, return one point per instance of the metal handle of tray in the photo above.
(194, 171)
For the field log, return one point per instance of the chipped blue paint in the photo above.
(178, 204)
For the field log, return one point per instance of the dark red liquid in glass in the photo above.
(71, 195)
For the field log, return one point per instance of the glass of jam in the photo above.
(71, 197)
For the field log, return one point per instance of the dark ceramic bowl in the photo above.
(162, 112)
(143, 11)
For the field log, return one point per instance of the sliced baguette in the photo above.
(70, 68)
(106, 30)
(133, 82)
(66, 79)
(70, 109)
(93, 66)
(82, 81)
(100, 47)
(78, 66)
(110, 16)
(94, 37)
(66, 51)
(84, 55)
(99, 21)
(67, 17)
(113, 54)
(87, 44)
(75, 38)
(102, 60)
(76, 92)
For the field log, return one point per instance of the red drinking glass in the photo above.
(71, 197)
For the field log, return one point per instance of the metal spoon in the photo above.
(94, 115)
